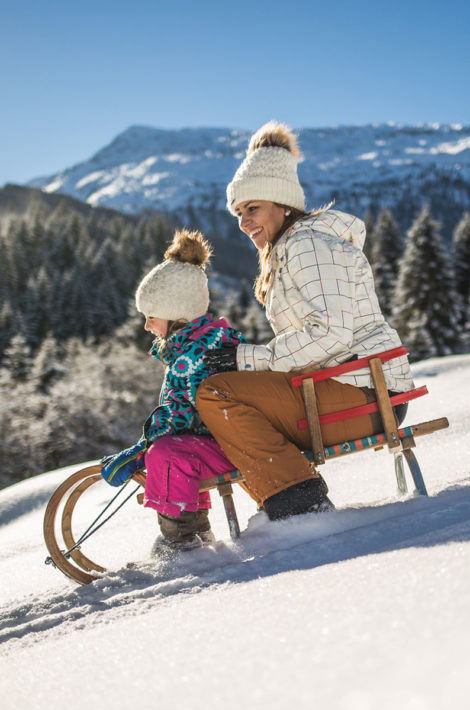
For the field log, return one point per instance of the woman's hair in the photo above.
(264, 279)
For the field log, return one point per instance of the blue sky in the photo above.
(74, 74)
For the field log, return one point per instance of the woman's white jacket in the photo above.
(322, 304)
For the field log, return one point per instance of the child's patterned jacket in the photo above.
(176, 411)
(184, 351)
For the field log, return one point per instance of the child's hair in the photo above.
(173, 327)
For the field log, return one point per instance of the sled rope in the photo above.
(90, 530)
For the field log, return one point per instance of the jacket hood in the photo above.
(336, 224)
(192, 331)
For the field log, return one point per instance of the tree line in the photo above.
(75, 381)
(64, 275)
(423, 288)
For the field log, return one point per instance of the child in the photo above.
(176, 446)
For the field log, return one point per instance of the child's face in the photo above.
(157, 326)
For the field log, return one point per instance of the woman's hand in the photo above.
(222, 360)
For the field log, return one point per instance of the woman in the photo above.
(318, 291)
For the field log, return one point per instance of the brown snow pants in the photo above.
(253, 416)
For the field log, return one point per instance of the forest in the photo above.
(75, 380)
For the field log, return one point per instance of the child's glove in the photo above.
(117, 469)
(223, 359)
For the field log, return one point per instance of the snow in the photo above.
(362, 608)
(452, 148)
(198, 164)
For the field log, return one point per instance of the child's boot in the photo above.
(187, 531)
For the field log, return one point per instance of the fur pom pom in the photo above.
(189, 247)
(274, 135)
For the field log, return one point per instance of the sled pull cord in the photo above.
(90, 530)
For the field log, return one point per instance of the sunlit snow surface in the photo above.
(366, 607)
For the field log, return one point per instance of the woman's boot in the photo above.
(306, 497)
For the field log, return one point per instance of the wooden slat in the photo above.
(310, 401)
(385, 408)
(428, 427)
(225, 490)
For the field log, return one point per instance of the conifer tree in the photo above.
(425, 308)
(45, 367)
(386, 253)
(37, 308)
(7, 325)
(461, 258)
(232, 310)
(254, 325)
(108, 302)
(368, 244)
(17, 358)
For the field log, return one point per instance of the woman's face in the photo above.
(260, 220)
(157, 326)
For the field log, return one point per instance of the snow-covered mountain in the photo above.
(185, 172)
(365, 607)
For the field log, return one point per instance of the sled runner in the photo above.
(66, 551)
(59, 516)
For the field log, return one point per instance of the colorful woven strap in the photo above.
(364, 408)
(350, 366)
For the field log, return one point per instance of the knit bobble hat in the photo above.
(177, 288)
(269, 171)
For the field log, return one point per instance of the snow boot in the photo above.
(306, 497)
(187, 531)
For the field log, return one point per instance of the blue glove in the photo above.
(117, 469)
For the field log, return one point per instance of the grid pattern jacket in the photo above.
(322, 305)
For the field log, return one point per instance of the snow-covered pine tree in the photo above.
(461, 258)
(232, 310)
(369, 222)
(109, 298)
(255, 325)
(465, 333)
(36, 313)
(425, 308)
(17, 358)
(7, 325)
(387, 250)
(45, 367)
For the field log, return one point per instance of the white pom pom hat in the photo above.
(173, 290)
(268, 173)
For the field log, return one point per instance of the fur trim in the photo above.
(274, 135)
(189, 247)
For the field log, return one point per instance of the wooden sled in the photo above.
(65, 549)
(66, 553)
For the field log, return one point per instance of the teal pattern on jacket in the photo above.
(184, 351)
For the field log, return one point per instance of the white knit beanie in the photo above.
(177, 288)
(269, 171)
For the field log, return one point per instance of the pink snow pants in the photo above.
(175, 464)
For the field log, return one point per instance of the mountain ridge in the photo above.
(184, 172)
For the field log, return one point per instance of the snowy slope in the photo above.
(364, 607)
(186, 171)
